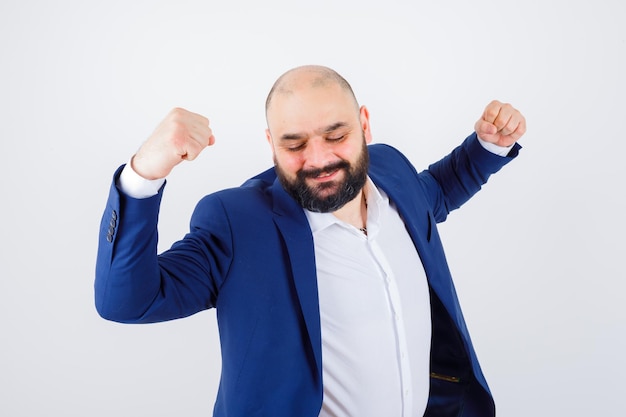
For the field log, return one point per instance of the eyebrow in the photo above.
(327, 129)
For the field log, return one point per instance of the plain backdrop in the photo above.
(537, 256)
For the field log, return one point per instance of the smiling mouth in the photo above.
(326, 174)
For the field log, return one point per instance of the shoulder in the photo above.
(383, 149)
(385, 158)
(253, 194)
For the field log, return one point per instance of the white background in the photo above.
(538, 256)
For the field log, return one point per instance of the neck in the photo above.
(354, 212)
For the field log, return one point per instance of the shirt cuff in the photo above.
(136, 186)
(495, 149)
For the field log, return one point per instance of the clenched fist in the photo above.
(500, 124)
(182, 135)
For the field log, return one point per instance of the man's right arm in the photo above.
(133, 284)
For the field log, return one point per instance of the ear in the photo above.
(268, 136)
(364, 116)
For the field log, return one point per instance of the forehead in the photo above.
(310, 106)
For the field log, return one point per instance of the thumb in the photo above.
(485, 129)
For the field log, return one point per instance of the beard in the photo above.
(328, 196)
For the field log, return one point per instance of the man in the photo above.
(331, 286)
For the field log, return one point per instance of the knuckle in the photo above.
(500, 122)
(177, 114)
(491, 113)
(522, 129)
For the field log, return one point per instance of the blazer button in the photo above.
(114, 215)
(111, 230)
(113, 223)
(109, 238)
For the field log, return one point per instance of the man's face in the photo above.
(319, 138)
(325, 196)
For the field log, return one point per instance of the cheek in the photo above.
(288, 163)
(349, 152)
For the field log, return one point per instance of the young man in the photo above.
(333, 293)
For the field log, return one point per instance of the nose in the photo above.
(317, 154)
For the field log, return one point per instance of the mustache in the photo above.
(316, 172)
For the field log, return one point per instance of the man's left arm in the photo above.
(458, 176)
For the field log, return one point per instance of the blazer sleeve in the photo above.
(135, 285)
(454, 179)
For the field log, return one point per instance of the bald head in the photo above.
(309, 76)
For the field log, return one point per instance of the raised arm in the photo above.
(132, 283)
(454, 179)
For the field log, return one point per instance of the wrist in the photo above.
(135, 185)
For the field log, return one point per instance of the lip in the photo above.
(326, 177)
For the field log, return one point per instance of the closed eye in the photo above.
(335, 139)
(295, 148)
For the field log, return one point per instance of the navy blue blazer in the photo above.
(249, 253)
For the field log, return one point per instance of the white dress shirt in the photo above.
(375, 314)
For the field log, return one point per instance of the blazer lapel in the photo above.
(294, 228)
